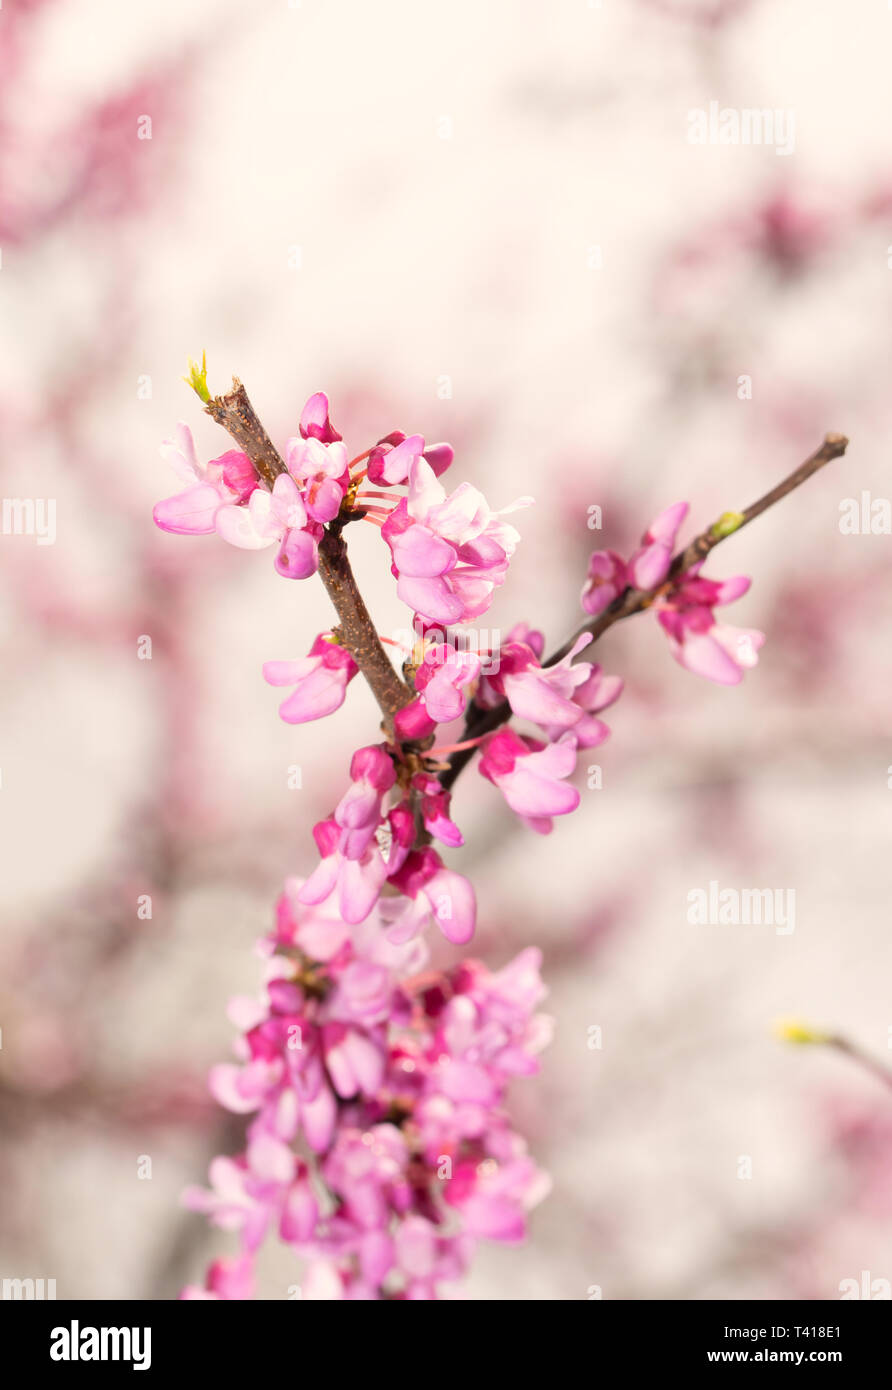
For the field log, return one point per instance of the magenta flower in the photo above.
(271, 517)
(530, 775)
(227, 1278)
(543, 695)
(192, 512)
(434, 892)
(449, 553)
(320, 680)
(322, 474)
(606, 580)
(494, 1199)
(315, 422)
(441, 680)
(596, 693)
(649, 565)
(434, 801)
(717, 651)
(359, 812)
(226, 495)
(392, 457)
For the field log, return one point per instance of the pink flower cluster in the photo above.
(392, 1082)
(368, 841)
(684, 608)
(449, 552)
(228, 497)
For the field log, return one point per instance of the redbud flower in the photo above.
(529, 775)
(435, 810)
(435, 892)
(274, 516)
(649, 565)
(607, 577)
(449, 553)
(320, 680)
(717, 651)
(441, 678)
(322, 473)
(192, 512)
(557, 698)
(392, 457)
(315, 422)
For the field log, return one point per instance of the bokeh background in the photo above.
(483, 222)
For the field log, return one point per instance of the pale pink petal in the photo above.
(419, 553)
(191, 512)
(236, 525)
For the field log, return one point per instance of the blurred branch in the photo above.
(802, 1035)
(480, 722)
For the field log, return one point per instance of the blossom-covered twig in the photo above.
(630, 600)
(379, 1147)
(238, 417)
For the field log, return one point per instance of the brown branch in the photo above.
(356, 630)
(238, 417)
(480, 722)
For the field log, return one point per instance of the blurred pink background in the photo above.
(485, 223)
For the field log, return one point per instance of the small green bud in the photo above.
(727, 524)
(198, 378)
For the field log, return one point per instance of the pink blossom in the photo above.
(649, 565)
(193, 511)
(227, 1278)
(449, 553)
(435, 892)
(530, 775)
(321, 472)
(606, 580)
(356, 881)
(543, 694)
(271, 517)
(441, 679)
(315, 422)
(563, 696)
(717, 651)
(320, 680)
(392, 457)
(494, 1198)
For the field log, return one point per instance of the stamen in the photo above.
(443, 748)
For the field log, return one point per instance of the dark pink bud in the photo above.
(315, 422)
(373, 765)
(439, 456)
(419, 869)
(413, 722)
(500, 753)
(402, 823)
